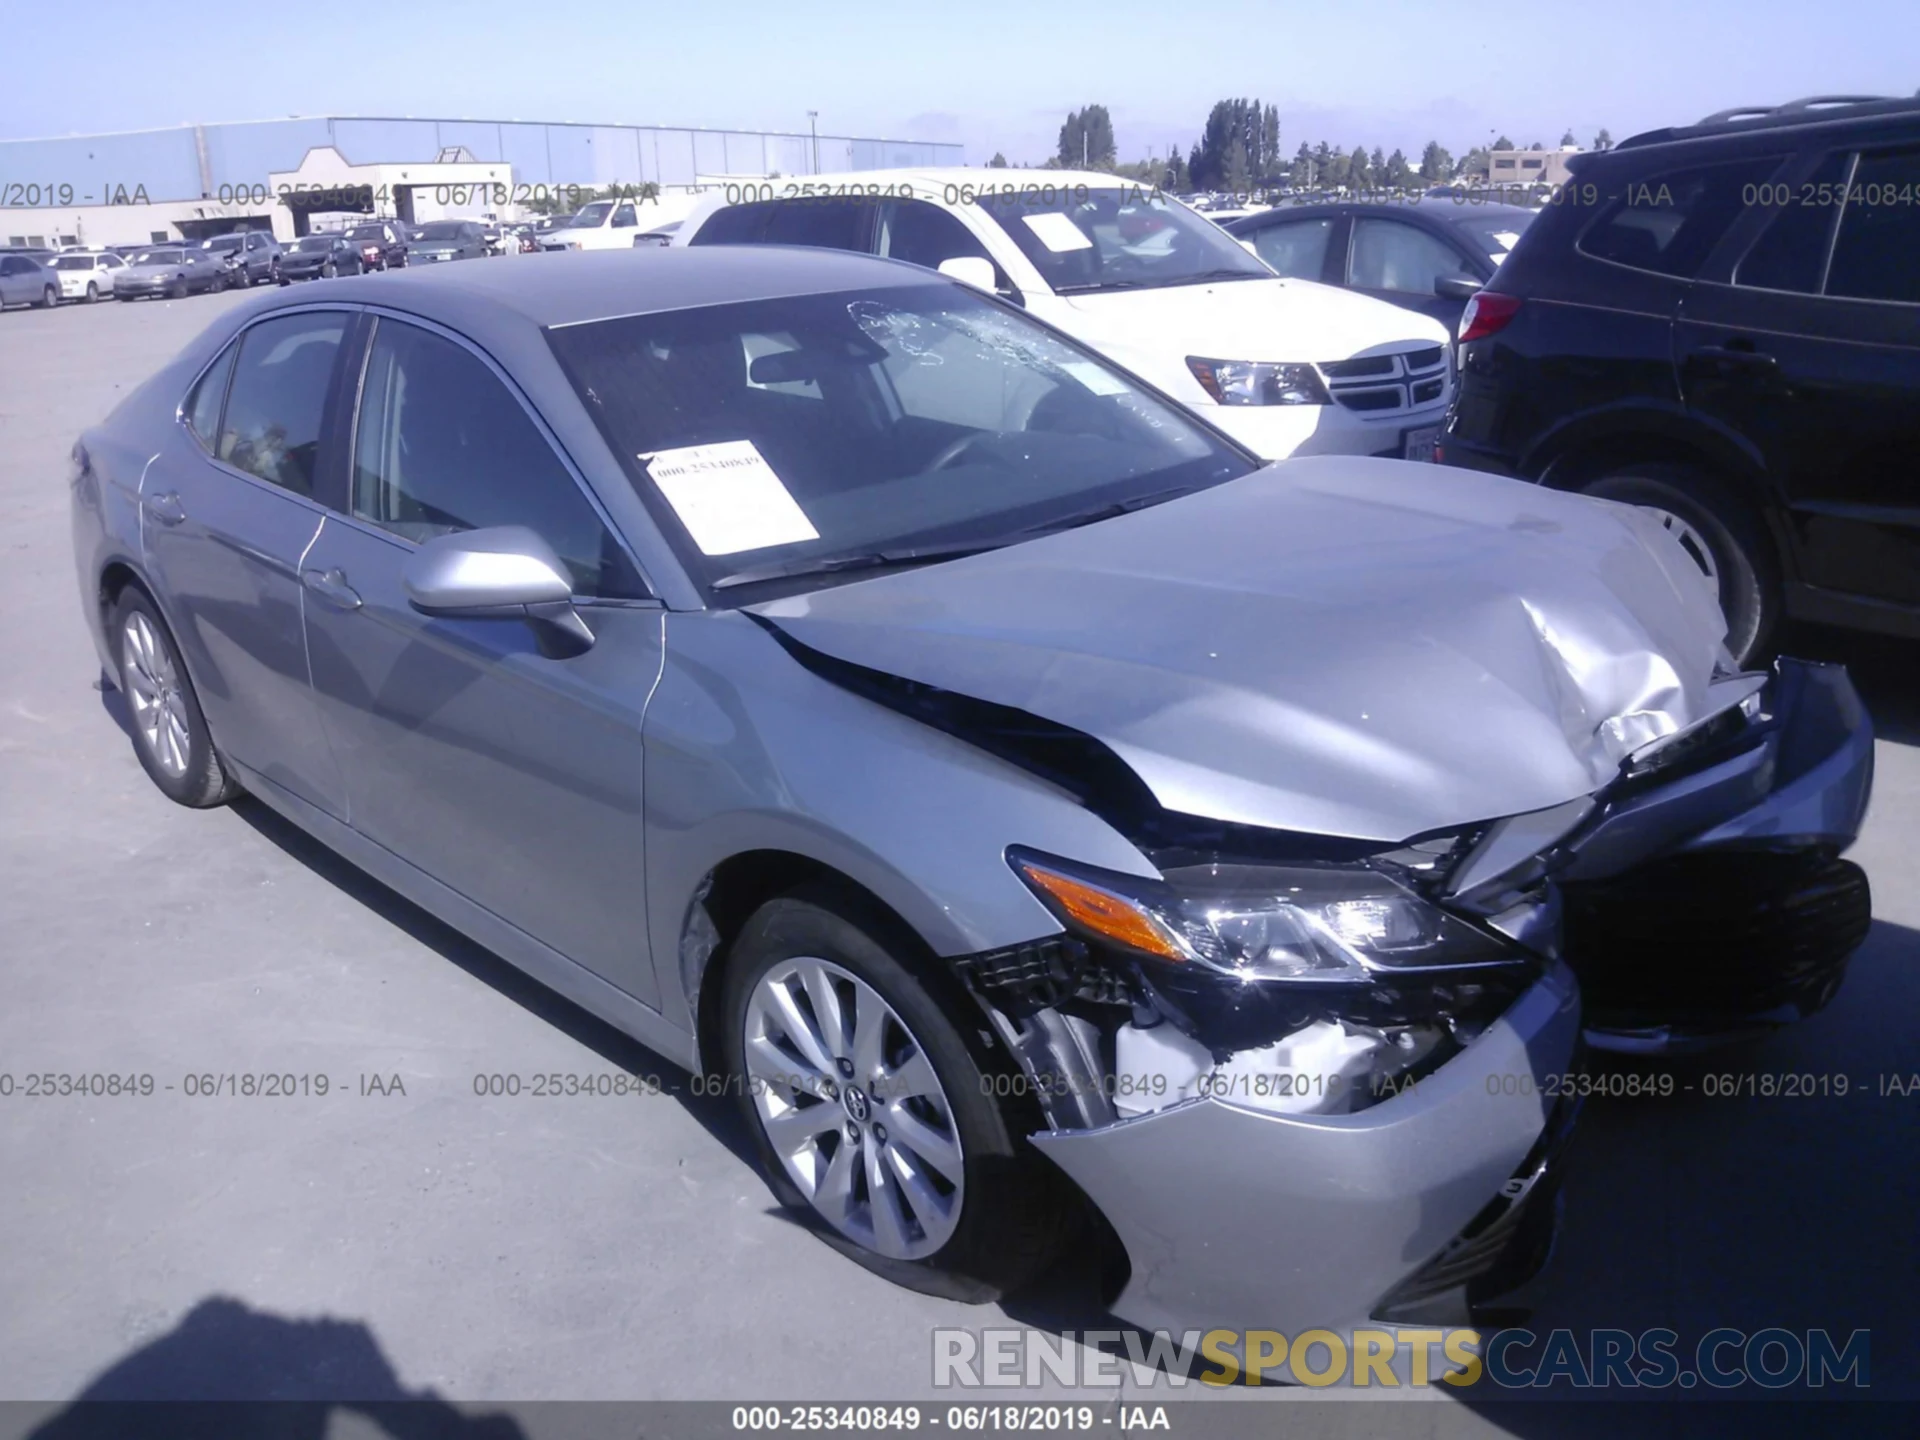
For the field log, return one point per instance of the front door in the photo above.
(510, 777)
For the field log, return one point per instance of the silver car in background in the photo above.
(1020, 797)
(169, 272)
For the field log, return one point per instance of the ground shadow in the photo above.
(241, 1374)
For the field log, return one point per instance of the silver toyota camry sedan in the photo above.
(1031, 805)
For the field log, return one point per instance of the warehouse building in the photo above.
(191, 181)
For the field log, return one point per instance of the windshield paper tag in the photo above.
(1093, 377)
(728, 497)
(1057, 232)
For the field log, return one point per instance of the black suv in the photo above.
(1722, 322)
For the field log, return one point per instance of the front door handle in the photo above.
(331, 586)
(165, 508)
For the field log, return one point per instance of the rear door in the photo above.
(1306, 247)
(228, 511)
(1806, 346)
(512, 778)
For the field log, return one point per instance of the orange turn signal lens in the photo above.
(1104, 913)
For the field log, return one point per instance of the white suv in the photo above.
(1287, 367)
(86, 274)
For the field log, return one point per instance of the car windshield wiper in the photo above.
(1107, 512)
(833, 564)
(1197, 277)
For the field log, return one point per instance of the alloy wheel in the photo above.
(850, 1103)
(1691, 540)
(153, 690)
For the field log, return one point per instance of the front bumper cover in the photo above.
(1237, 1219)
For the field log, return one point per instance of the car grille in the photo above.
(1698, 941)
(1389, 384)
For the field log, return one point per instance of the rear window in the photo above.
(1668, 223)
(827, 222)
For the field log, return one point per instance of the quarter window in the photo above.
(441, 445)
(203, 405)
(272, 423)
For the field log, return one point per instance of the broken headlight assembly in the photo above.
(1260, 970)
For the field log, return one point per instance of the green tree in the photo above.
(1302, 173)
(1567, 139)
(1436, 164)
(1086, 140)
(1253, 126)
(1503, 143)
(1239, 176)
(998, 162)
(1604, 140)
(1398, 174)
(1477, 162)
(1359, 172)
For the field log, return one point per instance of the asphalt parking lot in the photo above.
(403, 1234)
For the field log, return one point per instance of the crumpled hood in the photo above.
(1295, 321)
(1340, 646)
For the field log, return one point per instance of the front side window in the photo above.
(624, 217)
(1389, 255)
(1877, 253)
(792, 434)
(1121, 238)
(273, 416)
(923, 234)
(592, 216)
(1297, 248)
(442, 445)
(1669, 223)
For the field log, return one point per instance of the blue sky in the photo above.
(991, 74)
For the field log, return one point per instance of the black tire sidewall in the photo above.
(1749, 592)
(1003, 1175)
(205, 781)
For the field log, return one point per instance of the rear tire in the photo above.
(170, 730)
(976, 1213)
(1722, 534)
(49, 297)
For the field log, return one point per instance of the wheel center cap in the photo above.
(855, 1099)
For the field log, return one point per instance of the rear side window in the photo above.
(923, 234)
(735, 225)
(272, 423)
(203, 405)
(1669, 223)
(1297, 249)
(833, 223)
(1877, 256)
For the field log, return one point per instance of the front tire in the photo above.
(872, 1112)
(93, 292)
(1721, 535)
(49, 297)
(170, 733)
(328, 271)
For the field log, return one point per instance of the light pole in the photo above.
(813, 134)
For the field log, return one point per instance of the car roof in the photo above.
(930, 182)
(1439, 207)
(570, 289)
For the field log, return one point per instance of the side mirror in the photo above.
(969, 270)
(503, 572)
(1456, 287)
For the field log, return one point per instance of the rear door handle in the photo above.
(1736, 356)
(331, 586)
(165, 508)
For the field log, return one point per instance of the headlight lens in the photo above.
(1311, 924)
(1250, 382)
